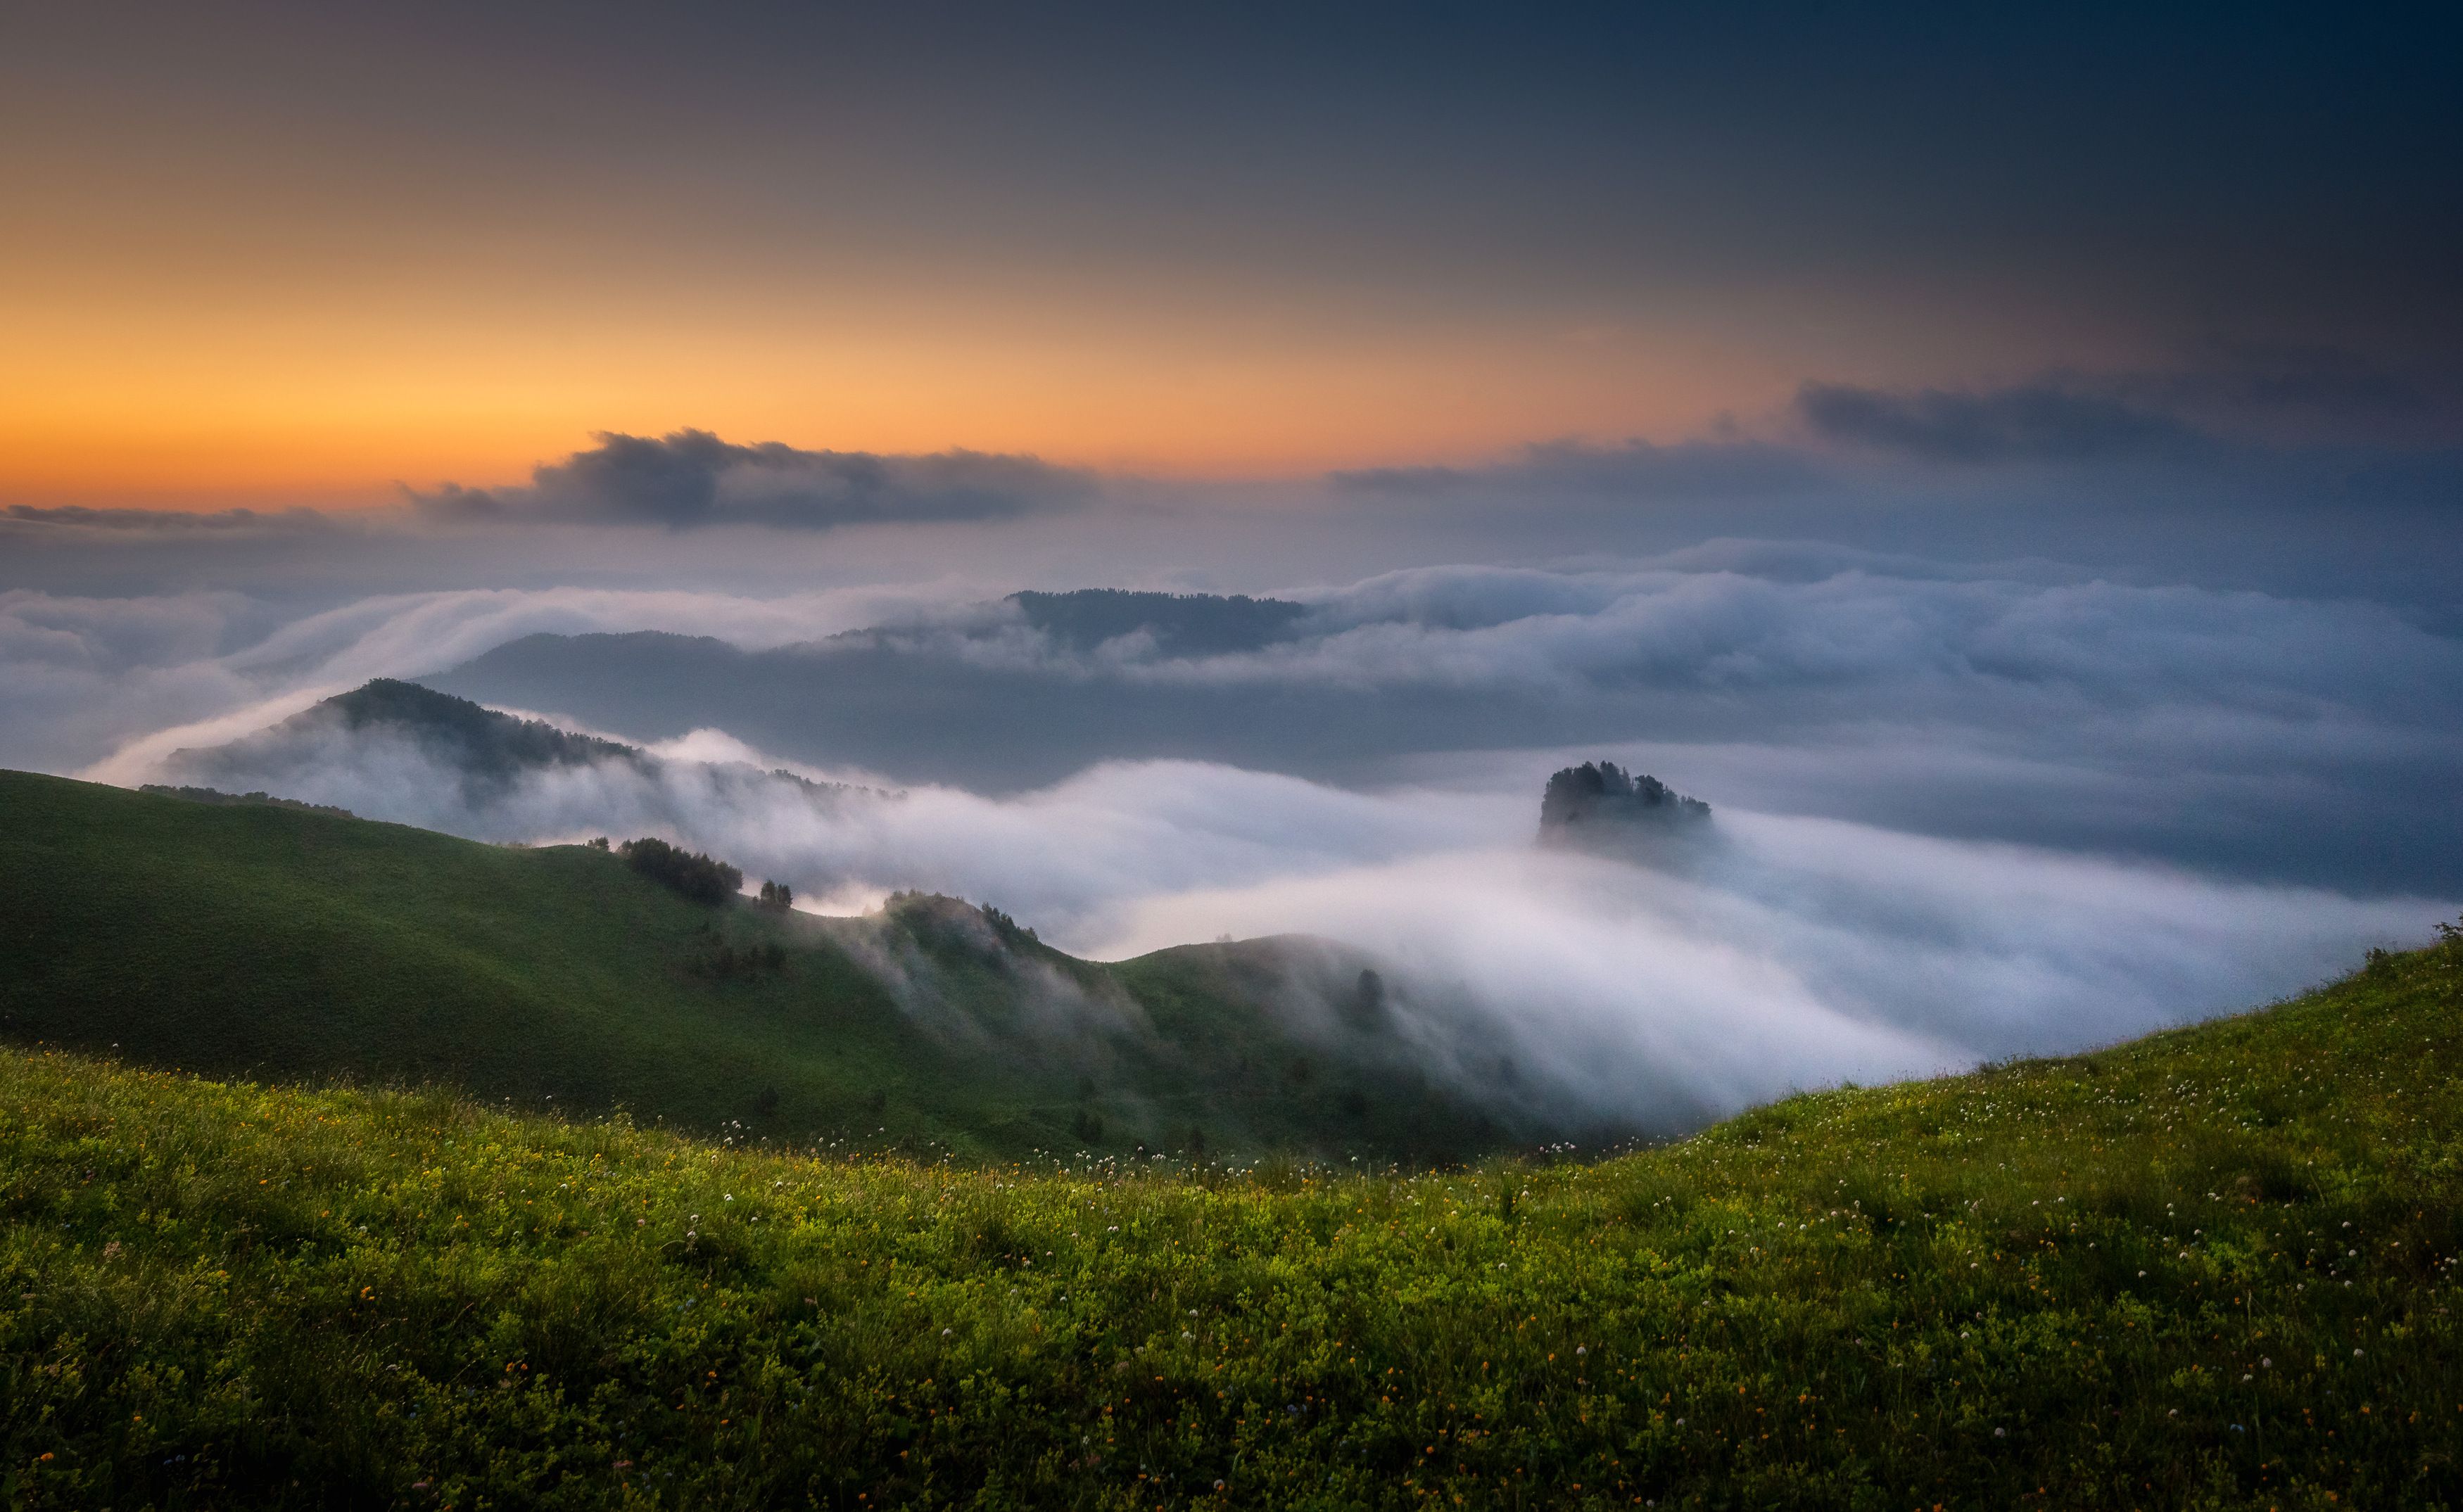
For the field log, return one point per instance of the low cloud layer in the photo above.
(691, 478)
(2289, 739)
(1789, 952)
(2246, 734)
(1963, 811)
(107, 685)
(27, 517)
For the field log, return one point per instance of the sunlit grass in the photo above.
(2213, 1267)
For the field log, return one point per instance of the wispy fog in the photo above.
(1784, 952)
(1963, 811)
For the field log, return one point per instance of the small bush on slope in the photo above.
(2212, 1268)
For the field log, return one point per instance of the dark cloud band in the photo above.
(689, 478)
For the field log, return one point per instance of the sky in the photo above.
(2008, 463)
(289, 255)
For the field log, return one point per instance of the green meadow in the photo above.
(2212, 1268)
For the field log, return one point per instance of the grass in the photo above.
(2212, 1268)
(283, 944)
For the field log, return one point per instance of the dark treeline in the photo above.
(262, 800)
(704, 879)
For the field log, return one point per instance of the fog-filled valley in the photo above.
(1957, 813)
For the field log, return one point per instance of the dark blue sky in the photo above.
(301, 252)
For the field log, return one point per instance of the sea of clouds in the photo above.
(1962, 812)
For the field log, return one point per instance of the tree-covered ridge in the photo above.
(216, 796)
(2213, 1269)
(486, 749)
(702, 879)
(481, 739)
(1600, 795)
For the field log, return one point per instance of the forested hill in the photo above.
(487, 748)
(1600, 805)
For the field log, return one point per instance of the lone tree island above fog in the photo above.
(1598, 800)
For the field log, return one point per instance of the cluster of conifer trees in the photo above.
(704, 879)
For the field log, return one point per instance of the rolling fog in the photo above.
(1791, 952)
(1963, 811)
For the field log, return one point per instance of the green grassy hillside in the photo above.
(2215, 1268)
(279, 944)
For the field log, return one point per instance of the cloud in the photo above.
(2225, 402)
(81, 675)
(1792, 952)
(2048, 421)
(1809, 951)
(2253, 733)
(1931, 782)
(80, 517)
(2275, 382)
(106, 687)
(691, 478)
(2245, 733)
(1711, 469)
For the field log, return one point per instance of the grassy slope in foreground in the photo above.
(2210, 1268)
(275, 944)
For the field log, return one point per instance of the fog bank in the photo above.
(1785, 952)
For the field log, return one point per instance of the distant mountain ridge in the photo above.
(1181, 624)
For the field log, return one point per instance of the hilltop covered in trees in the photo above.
(702, 879)
(1601, 801)
(487, 751)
